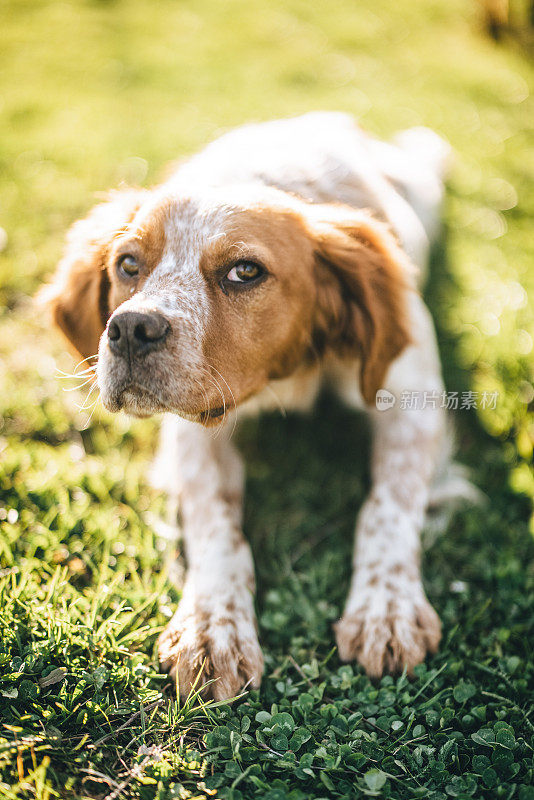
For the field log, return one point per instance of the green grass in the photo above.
(95, 93)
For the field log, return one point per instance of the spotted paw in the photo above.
(217, 654)
(388, 641)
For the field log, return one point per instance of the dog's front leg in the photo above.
(388, 623)
(213, 632)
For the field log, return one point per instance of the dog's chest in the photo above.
(299, 392)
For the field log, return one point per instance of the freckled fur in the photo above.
(324, 207)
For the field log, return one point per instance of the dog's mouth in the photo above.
(134, 399)
(141, 401)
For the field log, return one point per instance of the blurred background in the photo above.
(99, 93)
(102, 93)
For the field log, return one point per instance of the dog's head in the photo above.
(194, 303)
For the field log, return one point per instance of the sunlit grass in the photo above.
(101, 92)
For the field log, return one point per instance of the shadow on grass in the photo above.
(307, 478)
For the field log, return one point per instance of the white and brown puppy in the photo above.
(276, 260)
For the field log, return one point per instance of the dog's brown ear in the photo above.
(362, 281)
(78, 296)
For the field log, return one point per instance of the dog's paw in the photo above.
(200, 647)
(400, 636)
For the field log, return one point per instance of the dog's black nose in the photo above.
(132, 333)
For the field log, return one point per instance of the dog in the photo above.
(285, 256)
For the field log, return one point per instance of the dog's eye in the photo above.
(128, 265)
(245, 272)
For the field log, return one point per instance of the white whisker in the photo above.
(279, 402)
(232, 395)
(62, 375)
(84, 406)
(79, 364)
(75, 388)
(90, 417)
(206, 398)
(215, 382)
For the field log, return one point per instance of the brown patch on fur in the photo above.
(79, 296)
(146, 242)
(232, 498)
(410, 570)
(218, 621)
(362, 278)
(336, 282)
(260, 334)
